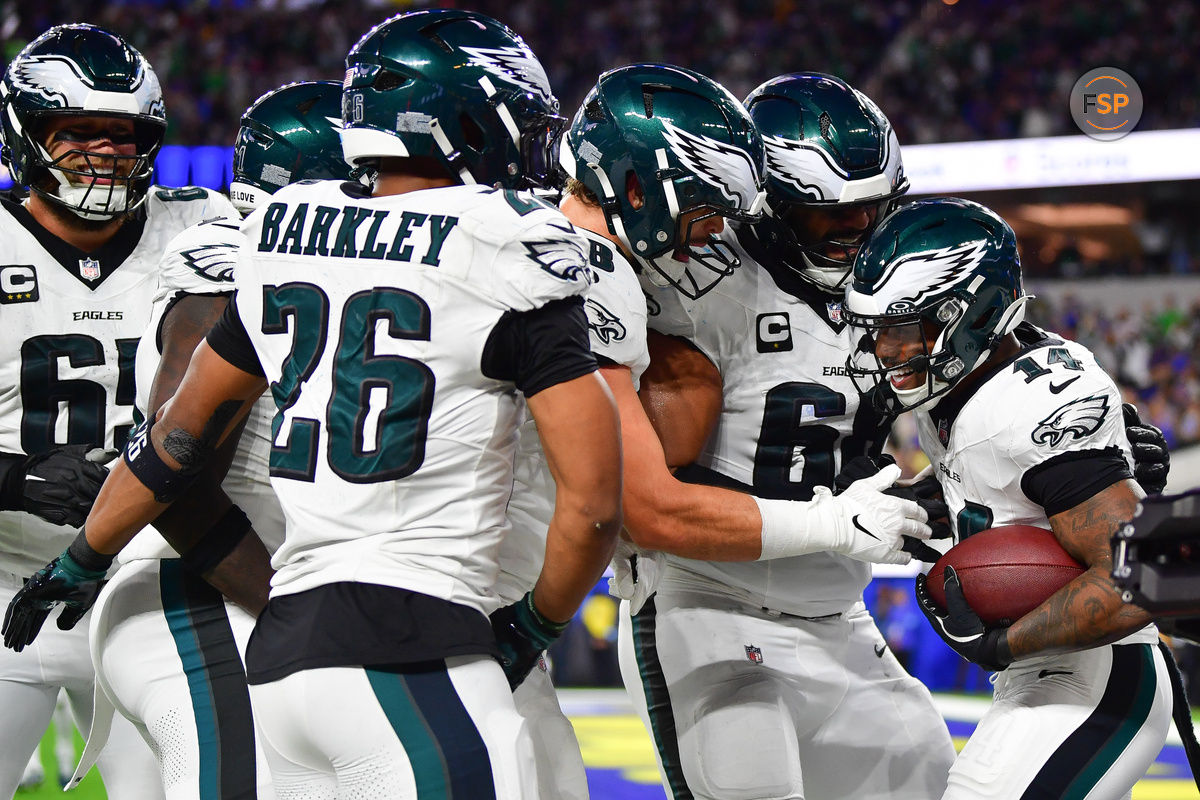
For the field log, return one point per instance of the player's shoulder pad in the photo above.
(615, 306)
(311, 193)
(539, 256)
(201, 259)
(187, 205)
(1059, 400)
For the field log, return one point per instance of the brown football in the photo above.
(1006, 572)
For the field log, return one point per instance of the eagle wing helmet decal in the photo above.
(791, 161)
(728, 168)
(50, 76)
(1077, 419)
(933, 271)
(517, 65)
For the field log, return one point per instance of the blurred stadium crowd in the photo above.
(1015, 59)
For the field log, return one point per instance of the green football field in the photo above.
(90, 789)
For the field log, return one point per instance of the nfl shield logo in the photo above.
(89, 269)
(943, 429)
(835, 312)
(754, 654)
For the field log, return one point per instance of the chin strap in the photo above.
(1013, 316)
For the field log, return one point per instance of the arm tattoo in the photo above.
(191, 452)
(188, 451)
(1088, 611)
(219, 421)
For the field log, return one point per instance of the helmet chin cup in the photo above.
(91, 201)
(827, 278)
(94, 202)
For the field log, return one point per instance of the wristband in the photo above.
(793, 528)
(544, 629)
(86, 559)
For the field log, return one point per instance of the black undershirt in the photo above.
(1063, 482)
(361, 624)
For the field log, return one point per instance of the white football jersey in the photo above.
(1050, 400)
(788, 414)
(616, 312)
(71, 324)
(201, 260)
(392, 451)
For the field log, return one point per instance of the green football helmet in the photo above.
(695, 154)
(941, 270)
(455, 86)
(290, 134)
(82, 71)
(833, 171)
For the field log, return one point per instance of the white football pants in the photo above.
(169, 653)
(744, 704)
(560, 771)
(1086, 725)
(350, 733)
(29, 685)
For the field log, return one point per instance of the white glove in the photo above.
(623, 584)
(861, 522)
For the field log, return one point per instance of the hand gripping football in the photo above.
(1006, 572)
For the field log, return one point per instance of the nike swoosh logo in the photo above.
(1056, 388)
(1048, 672)
(854, 519)
(880, 649)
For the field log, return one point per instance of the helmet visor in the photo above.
(538, 144)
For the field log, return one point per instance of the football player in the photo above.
(698, 109)
(1022, 427)
(752, 393)
(398, 329)
(155, 610)
(81, 119)
(774, 705)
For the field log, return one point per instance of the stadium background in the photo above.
(977, 91)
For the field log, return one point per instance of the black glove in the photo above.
(961, 628)
(523, 635)
(58, 485)
(1151, 461)
(926, 493)
(64, 580)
